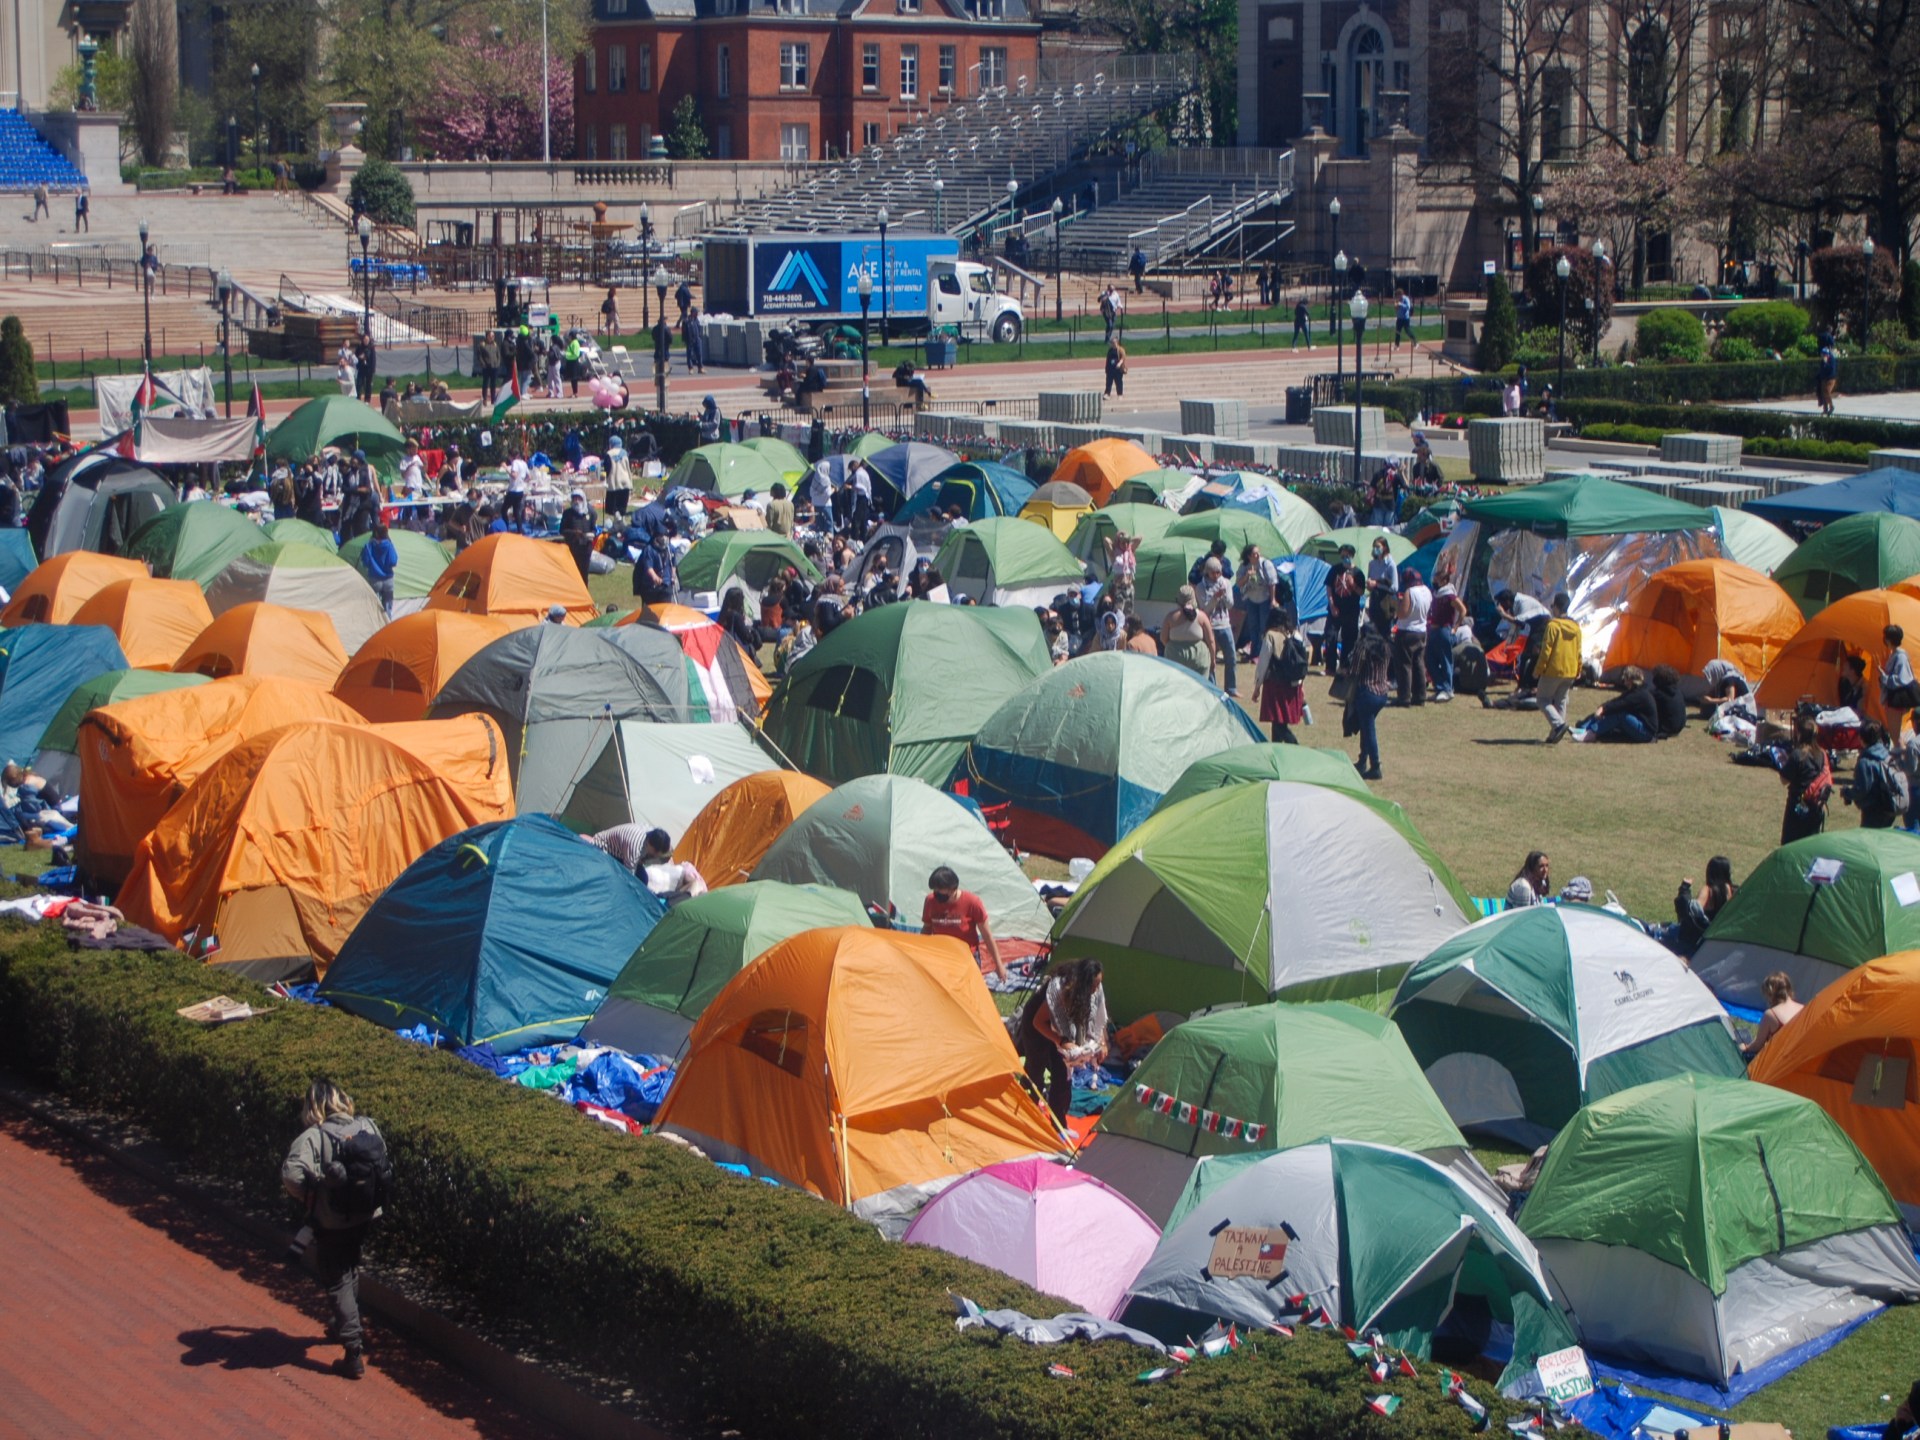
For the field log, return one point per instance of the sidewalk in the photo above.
(126, 1312)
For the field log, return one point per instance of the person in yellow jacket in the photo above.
(1559, 667)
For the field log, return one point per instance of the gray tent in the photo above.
(653, 773)
(95, 502)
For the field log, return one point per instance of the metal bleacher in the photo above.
(1187, 206)
(27, 160)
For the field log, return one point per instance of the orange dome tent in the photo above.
(155, 620)
(1855, 1052)
(1701, 610)
(139, 756)
(55, 589)
(735, 686)
(798, 1070)
(1808, 665)
(1099, 466)
(515, 578)
(273, 855)
(262, 639)
(728, 837)
(396, 674)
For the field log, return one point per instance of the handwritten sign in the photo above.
(1564, 1375)
(1248, 1252)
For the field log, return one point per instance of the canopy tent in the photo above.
(1526, 1016)
(655, 774)
(911, 465)
(784, 457)
(1855, 1052)
(17, 560)
(881, 836)
(727, 839)
(1059, 1230)
(725, 469)
(1092, 531)
(1887, 490)
(1295, 1072)
(139, 754)
(513, 577)
(194, 541)
(741, 559)
(981, 489)
(1706, 1225)
(301, 532)
(1154, 487)
(262, 639)
(422, 562)
(1854, 553)
(188, 440)
(1100, 466)
(506, 934)
(902, 688)
(1701, 610)
(401, 668)
(302, 577)
(39, 667)
(730, 680)
(95, 501)
(1325, 546)
(57, 761)
(338, 420)
(1809, 663)
(1007, 561)
(283, 843)
(1748, 540)
(1577, 505)
(1239, 528)
(1274, 888)
(793, 1072)
(1161, 567)
(1378, 1238)
(1250, 764)
(154, 620)
(1817, 909)
(1084, 751)
(668, 982)
(58, 587)
(1059, 505)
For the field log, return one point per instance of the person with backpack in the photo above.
(1879, 789)
(1807, 772)
(1280, 673)
(339, 1170)
(1899, 692)
(380, 559)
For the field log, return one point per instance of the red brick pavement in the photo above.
(125, 1313)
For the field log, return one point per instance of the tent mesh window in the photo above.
(778, 1037)
(844, 690)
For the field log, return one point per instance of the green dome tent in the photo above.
(784, 457)
(751, 557)
(702, 944)
(301, 532)
(1751, 541)
(870, 444)
(881, 836)
(1248, 765)
(1007, 561)
(1782, 918)
(422, 561)
(902, 688)
(1325, 547)
(1090, 534)
(1084, 751)
(1239, 528)
(1271, 889)
(1706, 1225)
(195, 541)
(1869, 551)
(647, 771)
(1521, 1019)
(57, 760)
(301, 577)
(1150, 487)
(1299, 1072)
(725, 469)
(334, 420)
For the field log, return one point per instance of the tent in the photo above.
(1295, 1073)
(301, 532)
(730, 679)
(1887, 491)
(881, 836)
(401, 668)
(1100, 466)
(302, 577)
(17, 559)
(1239, 528)
(1325, 546)
(1084, 751)
(1706, 1225)
(422, 562)
(869, 444)
(784, 457)
(1307, 577)
(654, 773)
(1526, 1016)
(1161, 567)
(1059, 505)
(139, 754)
(338, 420)
(1007, 561)
(1377, 1238)
(1816, 909)
(513, 577)
(1748, 540)
(902, 688)
(39, 667)
(668, 982)
(726, 840)
(58, 759)
(154, 620)
(1432, 521)
(1249, 764)
(261, 639)
(741, 559)
(1295, 518)
(1274, 888)
(273, 855)
(1701, 610)
(95, 501)
(1809, 663)
(1855, 1052)
(194, 541)
(506, 934)
(911, 465)
(1855, 553)
(1092, 531)
(794, 1072)
(1154, 487)
(1058, 1230)
(57, 588)
(725, 469)
(982, 489)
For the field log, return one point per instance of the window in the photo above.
(591, 65)
(643, 67)
(616, 69)
(796, 141)
(988, 9)
(723, 72)
(949, 64)
(616, 142)
(909, 7)
(909, 71)
(993, 66)
(791, 7)
(1556, 113)
(795, 66)
(723, 141)
(870, 133)
(616, 7)
(593, 142)
(870, 66)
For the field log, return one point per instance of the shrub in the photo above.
(1539, 348)
(383, 192)
(1766, 325)
(1844, 451)
(1624, 434)
(19, 380)
(1589, 293)
(1500, 332)
(1737, 350)
(1840, 272)
(1670, 335)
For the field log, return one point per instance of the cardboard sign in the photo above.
(1564, 1375)
(1248, 1252)
(218, 1011)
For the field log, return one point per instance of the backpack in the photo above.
(1880, 785)
(1290, 662)
(359, 1177)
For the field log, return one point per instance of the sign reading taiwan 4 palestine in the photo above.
(1565, 1376)
(1248, 1252)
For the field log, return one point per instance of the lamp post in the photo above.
(546, 86)
(1561, 270)
(366, 274)
(660, 279)
(1013, 189)
(1358, 309)
(646, 261)
(1059, 208)
(866, 304)
(885, 316)
(255, 73)
(1539, 204)
(1866, 294)
(940, 205)
(223, 291)
(1601, 283)
(146, 300)
(1339, 330)
(1800, 253)
(1333, 246)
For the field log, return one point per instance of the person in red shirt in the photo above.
(949, 910)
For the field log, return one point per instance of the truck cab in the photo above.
(961, 294)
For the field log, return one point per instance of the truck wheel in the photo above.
(1006, 330)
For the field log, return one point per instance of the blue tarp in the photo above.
(16, 558)
(1897, 491)
(39, 667)
(1700, 1392)
(1617, 1413)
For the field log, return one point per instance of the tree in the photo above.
(686, 136)
(282, 37)
(1500, 331)
(1209, 30)
(382, 191)
(155, 52)
(1910, 297)
(1622, 201)
(1842, 275)
(482, 100)
(1860, 57)
(1589, 292)
(19, 381)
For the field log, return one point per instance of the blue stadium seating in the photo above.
(27, 160)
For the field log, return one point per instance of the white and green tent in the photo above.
(1523, 1018)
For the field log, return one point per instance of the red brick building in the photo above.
(789, 79)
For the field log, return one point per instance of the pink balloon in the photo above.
(604, 400)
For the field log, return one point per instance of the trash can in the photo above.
(1299, 405)
(943, 353)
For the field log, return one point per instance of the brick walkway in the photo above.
(122, 1312)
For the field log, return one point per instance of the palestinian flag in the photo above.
(257, 412)
(509, 397)
(1384, 1404)
(143, 401)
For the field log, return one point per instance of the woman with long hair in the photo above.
(1063, 1027)
(324, 1170)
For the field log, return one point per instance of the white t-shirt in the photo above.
(517, 474)
(413, 474)
(1419, 601)
(1521, 893)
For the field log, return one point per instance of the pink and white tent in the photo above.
(1060, 1230)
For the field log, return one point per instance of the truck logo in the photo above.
(798, 269)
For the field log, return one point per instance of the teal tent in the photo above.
(16, 558)
(981, 488)
(39, 667)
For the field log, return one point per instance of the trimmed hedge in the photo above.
(725, 1302)
(1730, 420)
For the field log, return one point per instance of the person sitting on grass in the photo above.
(1777, 989)
(1531, 885)
(1631, 718)
(1693, 915)
(1670, 706)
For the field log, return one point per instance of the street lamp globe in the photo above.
(143, 233)
(1600, 250)
(1866, 247)
(866, 285)
(1013, 188)
(1340, 263)
(1333, 207)
(223, 286)
(365, 228)
(1564, 268)
(883, 217)
(1357, 307)
(939, 185)
(1539, 204)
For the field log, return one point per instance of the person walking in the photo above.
(1402, 318)
(683, 297)
(1116, 366)
(380, 559)
(1561, 646)
(82, 212)
(366, 365)
(1827, 377)
(1302, 324)
(1216, 604)
(1109, 311)
(1446, 617)
(1187, 635)
(1366, 698)
(662, 348)
(1280, 673)
(556, 363)
(1137, 268)
(1257, 582)
(610, 312)
(1412, 607)
(1063, 1028)
(345, 371)
(1898, 692)
(40, 205)
(693, 337)
(338, 1169)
